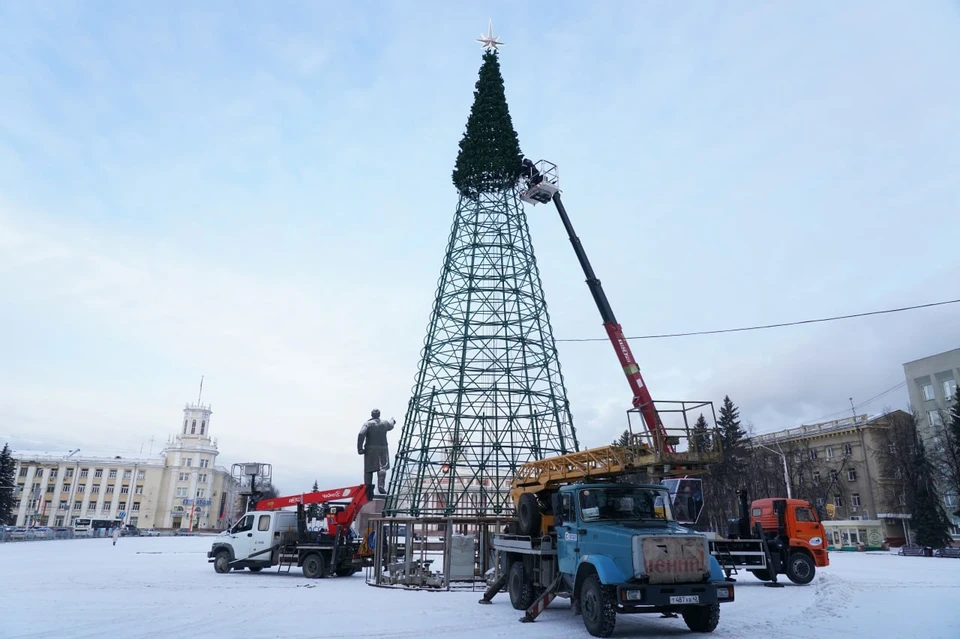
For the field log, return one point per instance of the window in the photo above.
(183, 477)
(134, 521)
(855, 500)
(98, 472)
(142, 474)
(829, 452)
(136, 506)
(848, 449)
(84, 472)
(264, 523)
(834, 475)
(193, 428)
(127, 474)
(244, 524)
(23, 472)
(77, 505)
(202, 478)
(124, 490)
(184, 427)
(81, 488)
(138, 490)
(95, 489)
(816, 476)
(201, 492)
(53, 473)
(813, 453)
(804, 514)
(927, 390)
(68, 473)
(182, 492)
(934, 418)
(113, 473)
(188, 462)
(92, 506)
(838, 501)
(203, 426)
(50, 487)
(63, 504)
(65, 489)
(59, 522)
(110, 488)
(204, 463)
(949, 389)
(107, 505)
(852, 474)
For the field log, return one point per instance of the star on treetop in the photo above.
(489, 41)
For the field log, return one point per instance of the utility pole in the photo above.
(786, 470)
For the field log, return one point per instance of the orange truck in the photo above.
(774, 536)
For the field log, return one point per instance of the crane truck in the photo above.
(581, 532)
(268, 536)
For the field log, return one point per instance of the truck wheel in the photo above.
(702, 618)
(313, 566)
(221, 563)
(598, 607)
(520, 587)
(256, 568)
(528, 514)
(762, 575)
(346, 571)
(800, 568)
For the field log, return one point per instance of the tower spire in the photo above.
(199, 395)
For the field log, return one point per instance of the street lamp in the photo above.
(786, 471)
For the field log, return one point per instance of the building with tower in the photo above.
(181, 488)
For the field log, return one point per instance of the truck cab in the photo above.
(247, 540)
(616, 549)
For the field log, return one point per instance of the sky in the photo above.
(260, 194)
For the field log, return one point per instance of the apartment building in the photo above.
(180, 488)
(837, 466)
(932, 384)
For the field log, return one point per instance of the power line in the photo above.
(765, 326)
(863, 403)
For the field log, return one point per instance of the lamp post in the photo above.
(786, 471)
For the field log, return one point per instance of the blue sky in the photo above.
(260, 193)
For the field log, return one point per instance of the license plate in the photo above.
(685, 599)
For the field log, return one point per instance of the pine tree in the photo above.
(489, 158)
(7, 483)
(952, 447)
(928, 519)
(313, 510)
(731, 432)
(701, 438)
(623, 440)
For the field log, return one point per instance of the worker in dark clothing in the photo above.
(372, 444)
(531, 173)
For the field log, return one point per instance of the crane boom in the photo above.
(342, 519)
(642, 400)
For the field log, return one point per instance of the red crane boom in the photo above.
(543, 192)
(341, 519)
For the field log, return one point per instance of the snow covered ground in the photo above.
(164, 587)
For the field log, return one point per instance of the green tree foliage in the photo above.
(727, 476)
(731, 432)
(7, 483)
(313, 510)
(928, 519)
(622, 440)
(701, 439)
(951, 455)
(489, 158)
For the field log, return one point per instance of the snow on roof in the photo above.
(86, 457)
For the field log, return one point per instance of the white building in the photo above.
(182, 487)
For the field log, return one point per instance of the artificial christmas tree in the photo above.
(489, 394)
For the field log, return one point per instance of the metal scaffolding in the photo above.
(489, 394)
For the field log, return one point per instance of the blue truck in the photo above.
(611, 548)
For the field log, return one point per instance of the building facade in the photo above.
(181, 488)
(932, 384)
(837, 466)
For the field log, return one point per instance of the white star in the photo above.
(489, 41)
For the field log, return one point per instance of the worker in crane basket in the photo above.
(372, 444)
